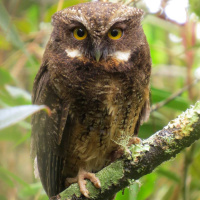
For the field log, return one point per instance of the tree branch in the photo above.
(173, 96)
(162, 146)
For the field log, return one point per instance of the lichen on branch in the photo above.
(146, 156)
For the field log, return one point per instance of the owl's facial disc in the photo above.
(99, 48)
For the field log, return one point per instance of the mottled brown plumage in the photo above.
(94, 104)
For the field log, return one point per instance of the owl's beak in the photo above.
(98, 55)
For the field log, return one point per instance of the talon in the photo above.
(93, 179)
(85, 192)
(82, 175)
(83, 189)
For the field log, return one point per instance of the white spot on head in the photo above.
(121, 55)
(73, 53)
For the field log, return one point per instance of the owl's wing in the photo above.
(145, 112)
(47, 133)
(143, 116)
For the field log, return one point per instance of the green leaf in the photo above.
(5, 76)
(18, 92)
(147, 129)
(23, 25)
(23, 139)
(6, 179)
(195, 6)
(9, 29)
(168, 191)
(33, 17)
(9, 99)
(129, 193)
(179, 103)
(123, 194)
(13, 176)
(43, 197)
(11, 32)
(30, 190)
(169, 174)
(133, 191)
(4, 44)
(13, 133)
(148, 186)
(10, 116)
(2, 197)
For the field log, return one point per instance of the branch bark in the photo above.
(146, 156)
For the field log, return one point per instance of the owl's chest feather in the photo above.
(105, 113)
(99, 100)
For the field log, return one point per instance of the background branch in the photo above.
(173, 96)
(162, 146)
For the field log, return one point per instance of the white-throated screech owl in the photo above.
(95, 79)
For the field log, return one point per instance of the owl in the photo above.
(94, 77)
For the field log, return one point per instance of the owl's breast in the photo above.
(104, 112)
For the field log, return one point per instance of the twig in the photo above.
(173, 96)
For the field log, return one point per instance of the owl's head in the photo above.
(98, 31)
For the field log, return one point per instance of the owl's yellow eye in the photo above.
(80, 33)
(115, 34)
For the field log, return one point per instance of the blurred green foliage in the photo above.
(195, 6)
(24, 31)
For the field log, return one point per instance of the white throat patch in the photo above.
(121, 55)
(73, 53)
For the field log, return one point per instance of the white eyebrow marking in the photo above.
(73, 53)
(121, 55)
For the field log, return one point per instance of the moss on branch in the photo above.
(162, 146)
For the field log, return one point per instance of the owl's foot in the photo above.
(82, 175)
